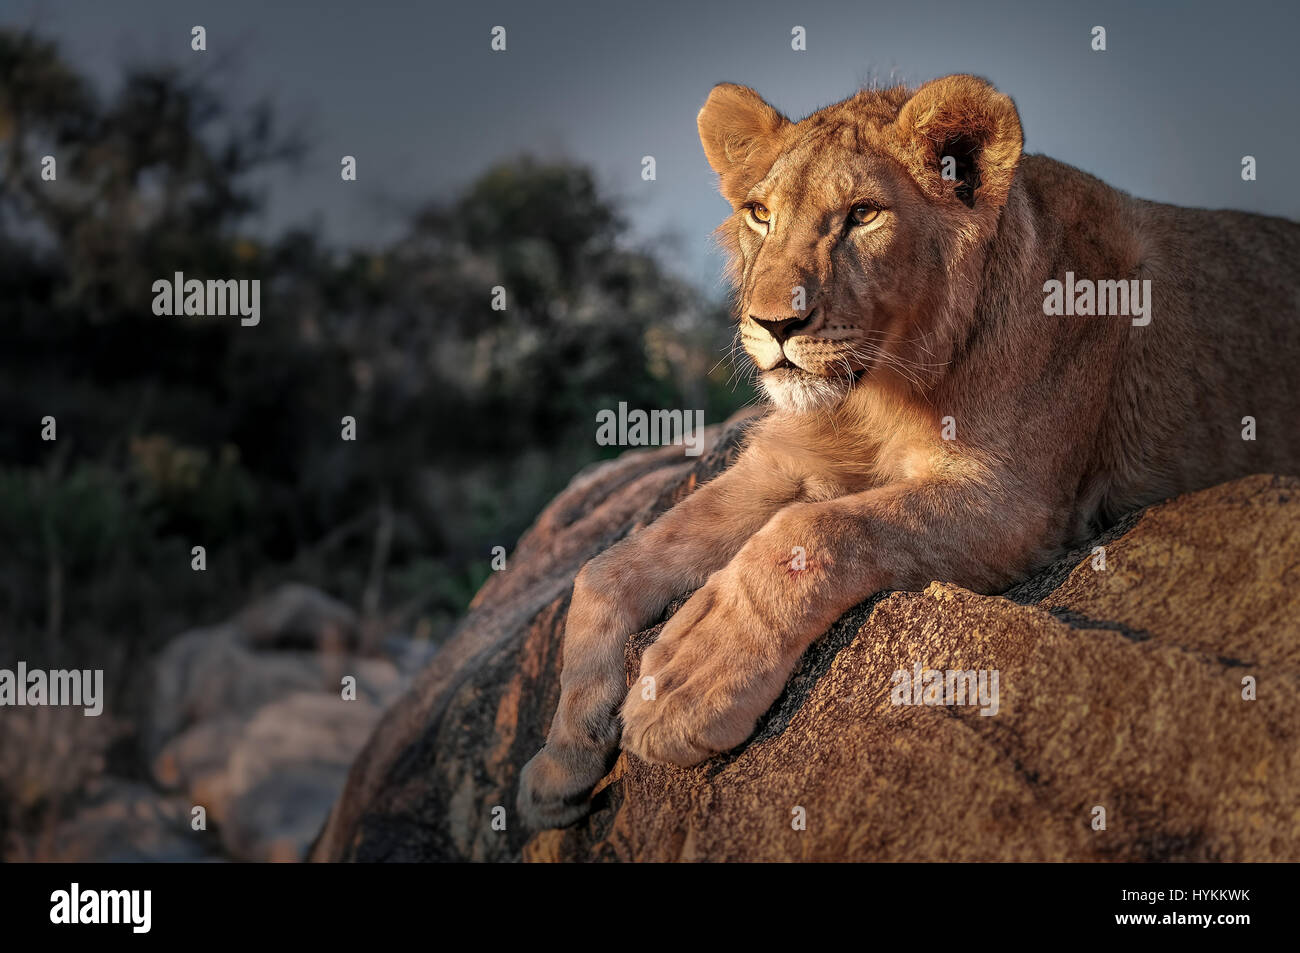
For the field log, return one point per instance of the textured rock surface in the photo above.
(1119, 688)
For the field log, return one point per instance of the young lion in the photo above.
(936, 416)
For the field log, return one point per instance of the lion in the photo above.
(898, 265)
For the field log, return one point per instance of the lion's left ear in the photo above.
(961, 139)
(742, 136)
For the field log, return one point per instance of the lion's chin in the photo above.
(794, 389)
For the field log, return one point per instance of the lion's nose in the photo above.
(782, 329)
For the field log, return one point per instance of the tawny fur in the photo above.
(934, 310)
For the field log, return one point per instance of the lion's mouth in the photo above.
(789, 370)
(786, 368)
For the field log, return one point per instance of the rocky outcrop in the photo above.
(1124, 690)
(250, 720)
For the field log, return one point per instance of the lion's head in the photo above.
(858, 234)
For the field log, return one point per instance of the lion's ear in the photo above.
(961, 138)
(741, 137)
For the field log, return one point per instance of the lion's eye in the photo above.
(863, 214)
(760, 213)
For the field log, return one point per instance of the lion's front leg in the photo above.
(716, 667)
(618, 593)
(723, 659)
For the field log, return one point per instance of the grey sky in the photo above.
(412, 89)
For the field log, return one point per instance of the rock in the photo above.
(210, 674)
(295, 616)
(247, 718)
(128, 822)
(196, 759)
(177, 672)
(1120, 689)
(285, 772)
(272, 648)
(269, 744)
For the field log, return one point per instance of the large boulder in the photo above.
(1120, 688)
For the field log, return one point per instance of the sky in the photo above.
(414, 91)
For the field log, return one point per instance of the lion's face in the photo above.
(834, 245)
(850, 246)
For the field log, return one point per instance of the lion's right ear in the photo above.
(741, 134)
